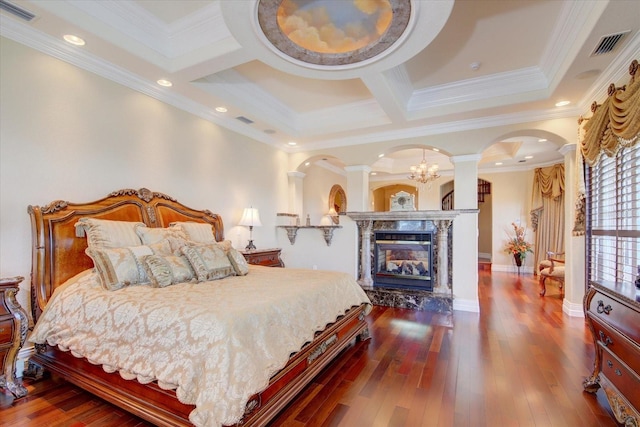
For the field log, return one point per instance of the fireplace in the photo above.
(403, 259)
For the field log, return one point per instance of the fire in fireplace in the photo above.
(404, 260)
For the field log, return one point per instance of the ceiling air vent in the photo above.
(243, 119)
(608, 43)
(16, 11)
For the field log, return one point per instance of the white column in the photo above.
(296, 192)
(465, 234)
(574, 246)
(358, 188)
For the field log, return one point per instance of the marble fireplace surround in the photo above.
(441, 299)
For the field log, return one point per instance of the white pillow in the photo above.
(237, 260)
(176, 236)
(121, 267)
(104, 233)
(199, 232)
(166, 270)
(209, 261)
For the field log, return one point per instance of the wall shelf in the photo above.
(327, 231)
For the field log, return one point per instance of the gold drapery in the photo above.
(615, 123)
(547, 214)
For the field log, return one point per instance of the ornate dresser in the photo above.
(612, 312)
(13, 331)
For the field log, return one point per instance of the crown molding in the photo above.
(496, 85)
(448, 127)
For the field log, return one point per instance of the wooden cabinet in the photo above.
(13, 331)
(266, 257)
(613, 315)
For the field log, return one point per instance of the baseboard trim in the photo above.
(466, 305)
(572, 309)
(510, 268)
(23, 355)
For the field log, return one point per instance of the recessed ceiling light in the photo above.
(498, 163)
(374, 173)
(528, 157)
(307, 163)
(436, 150)
(380, 156)
(75, 40)
(165, 83)
(562, 103)
(221, 109)
(292, 143)
(542, 140)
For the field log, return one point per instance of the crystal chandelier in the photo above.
(423, 173)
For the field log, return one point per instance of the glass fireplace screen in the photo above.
(403, 259)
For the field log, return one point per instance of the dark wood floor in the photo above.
(520, 362)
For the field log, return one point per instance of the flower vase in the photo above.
(518, 259)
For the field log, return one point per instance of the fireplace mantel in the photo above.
(442, 220)
(427, 215)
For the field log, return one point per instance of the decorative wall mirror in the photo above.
(337, 203)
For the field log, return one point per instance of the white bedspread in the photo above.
(217, 343)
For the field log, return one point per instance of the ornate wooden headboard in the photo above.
(58, 254)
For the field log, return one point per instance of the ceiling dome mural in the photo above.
(326, 32)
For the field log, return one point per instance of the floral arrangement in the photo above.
(517, 245)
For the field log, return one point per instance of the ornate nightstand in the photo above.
(266, 257)
(13, 331)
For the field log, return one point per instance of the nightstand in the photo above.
(13, 331)
(266, 257)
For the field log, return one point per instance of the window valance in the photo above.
(615, 123)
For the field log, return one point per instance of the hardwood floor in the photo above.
(520, 362)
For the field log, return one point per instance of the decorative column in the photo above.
(465, 234)
(574, 245)
(365, 227)
(442, 284)
(358, 187)
(296, 192)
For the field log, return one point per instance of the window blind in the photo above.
(613, 217)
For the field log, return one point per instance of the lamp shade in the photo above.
(250, 218)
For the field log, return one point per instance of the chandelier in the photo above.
(423, 173)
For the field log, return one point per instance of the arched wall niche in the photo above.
(337, 199)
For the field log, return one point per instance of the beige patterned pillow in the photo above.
(104, 233)
(176, 237)
(239, 263)
(121, 267)
(209, 261)
(168, 270)
(199, 232)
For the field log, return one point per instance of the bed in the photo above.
(60, 263)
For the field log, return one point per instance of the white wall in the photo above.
(69, 134)
(310, 249)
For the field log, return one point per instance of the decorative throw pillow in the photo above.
(166, 270)
(121, 267)
(199, 232)
(209, 261)
(104, 233)
(176, 237)
(239, 263)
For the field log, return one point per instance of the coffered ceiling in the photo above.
(459, 65)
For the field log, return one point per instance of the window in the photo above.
(613, 217)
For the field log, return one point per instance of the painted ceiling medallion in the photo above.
(333, 33)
